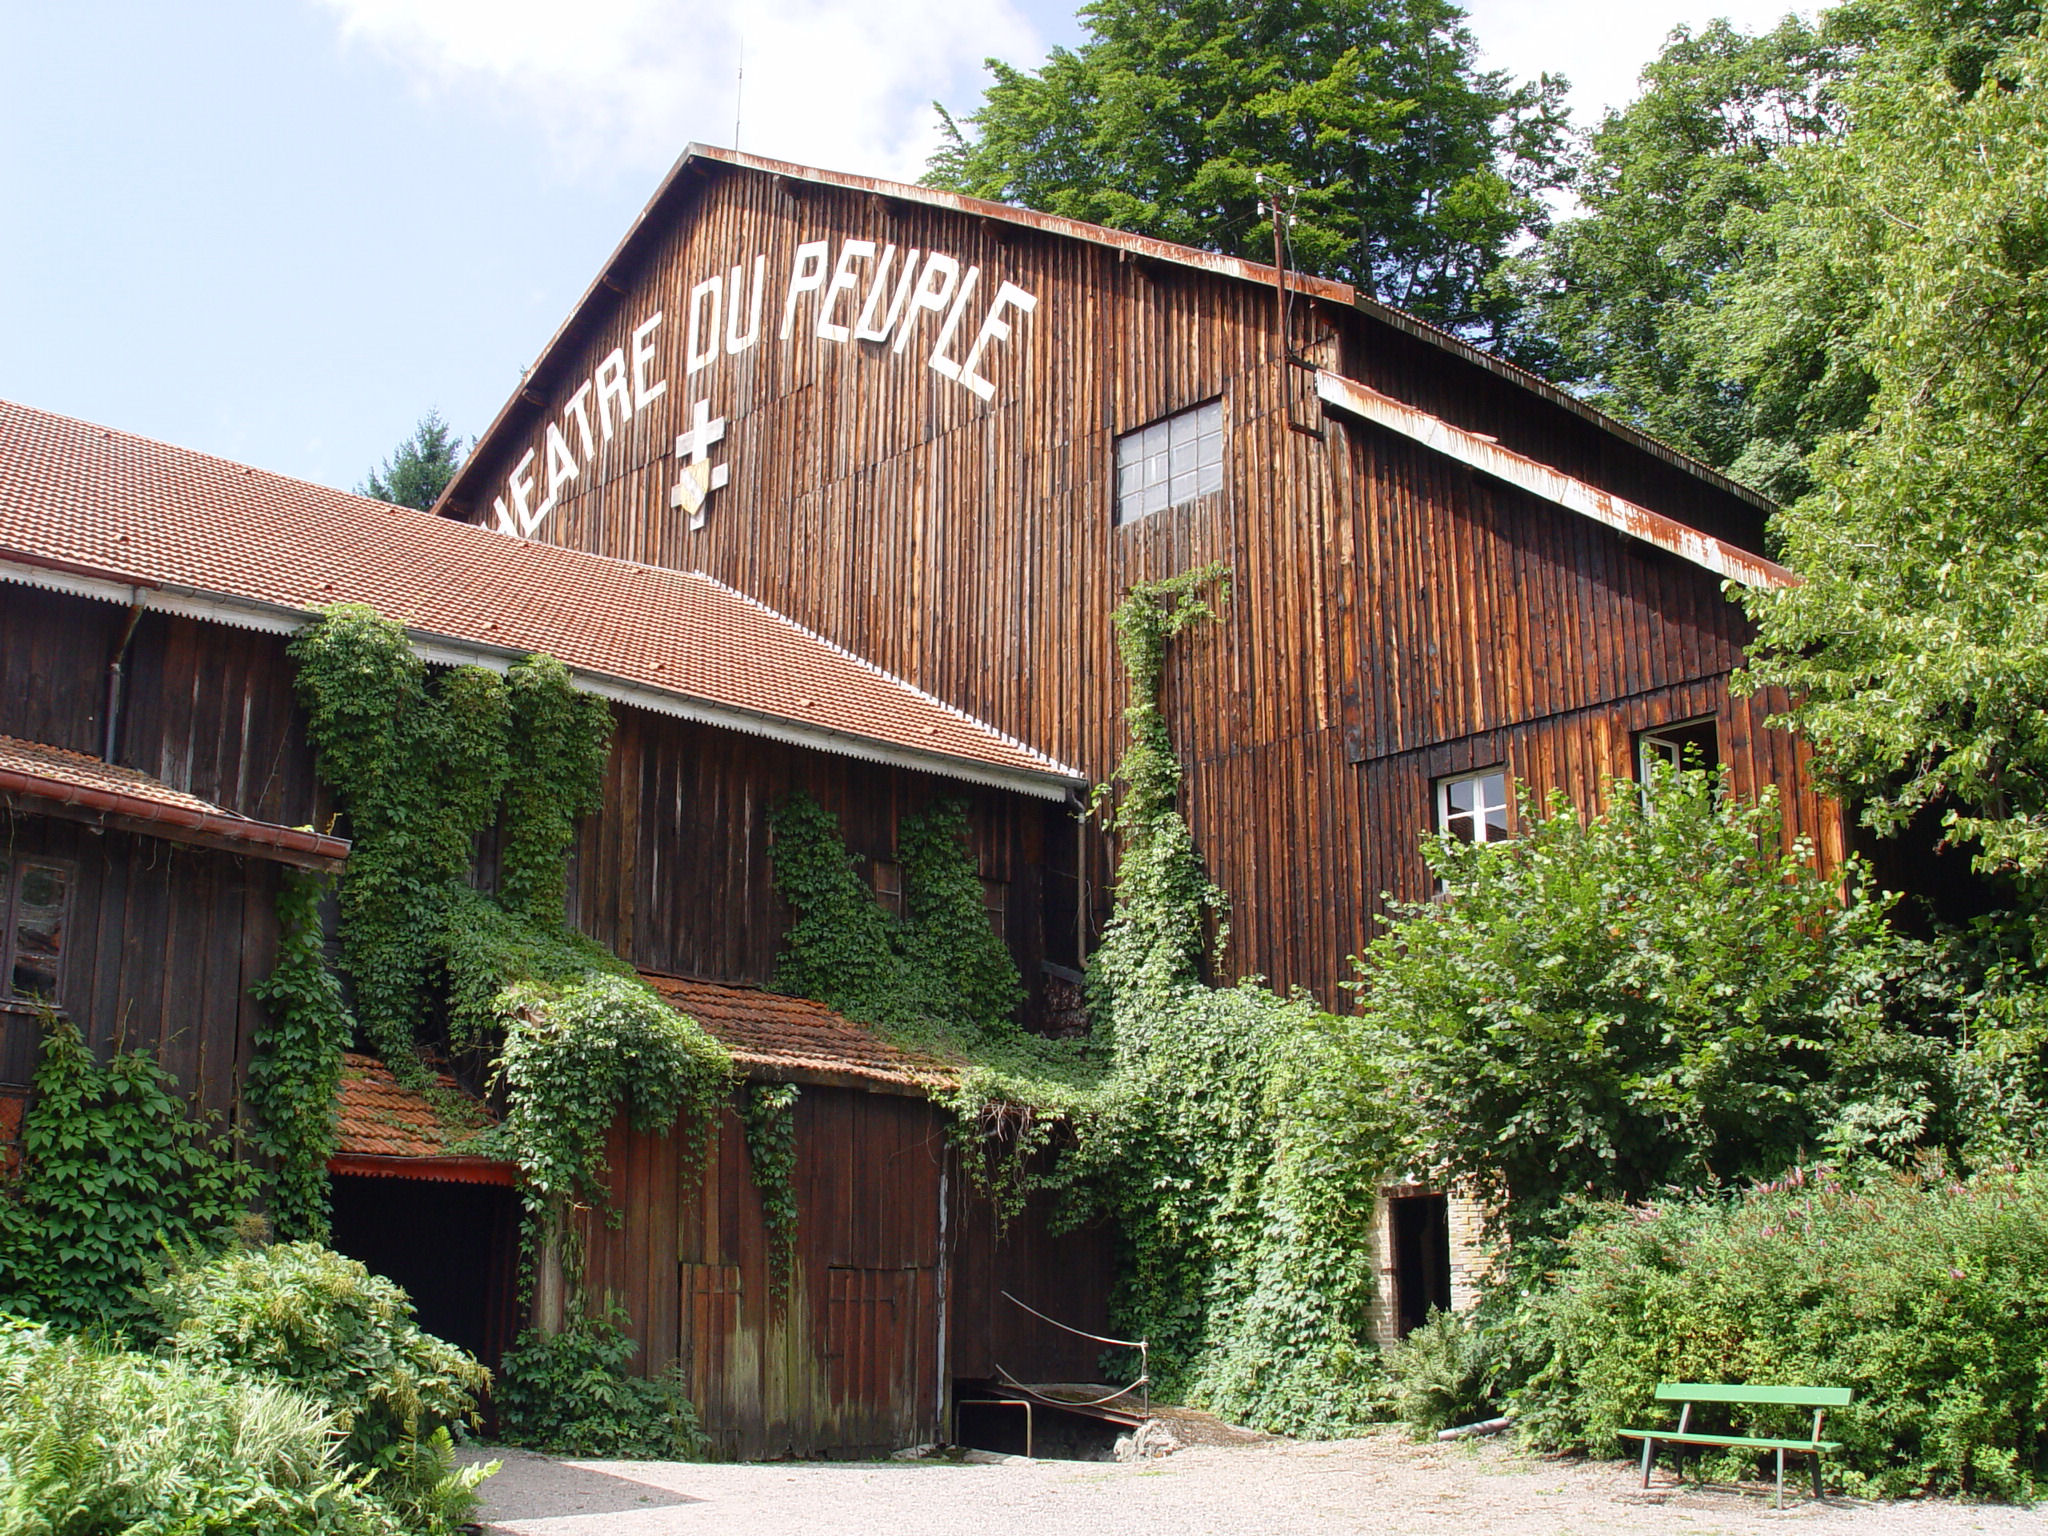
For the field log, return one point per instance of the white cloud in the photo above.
(629, 82)
(1600, 46)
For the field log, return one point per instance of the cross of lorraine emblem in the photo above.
(697, 476)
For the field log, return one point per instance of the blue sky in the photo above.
(281, 231)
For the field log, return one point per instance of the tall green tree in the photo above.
(1679, 296)
(1916, 646)
(420, 468)
(1623, 299)
(1414, 170)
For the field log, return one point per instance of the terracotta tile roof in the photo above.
(86, 786)
(382, 1118)
(791, 1039)
(196, 534)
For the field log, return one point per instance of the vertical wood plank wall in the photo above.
(1394, 613)
(887, 1304)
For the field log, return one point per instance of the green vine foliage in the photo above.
(768, 1116)
(937, 981)
(1241, 1137)
(115, 1165)
(295, 1068)
(423, 766)
(559, 740)
(1237, 1138)
(420, 770)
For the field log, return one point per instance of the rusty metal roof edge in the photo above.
(694, 155)
(1537, 478)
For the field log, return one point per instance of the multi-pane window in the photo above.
(35, 902)
(1170, 462)
(1473, 807)
(1682, 744)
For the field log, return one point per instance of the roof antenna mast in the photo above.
(739, 86)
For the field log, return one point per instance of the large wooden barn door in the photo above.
(850, 1360)
(876, 1162)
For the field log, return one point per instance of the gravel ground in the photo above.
(1382, 1483)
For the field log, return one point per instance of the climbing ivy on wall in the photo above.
(420, 769)
(115, 1165)
(1237, 1137)
(295, 1064)
(768, 1116)
(422, 766)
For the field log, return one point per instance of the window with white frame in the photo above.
(1169, 463)
(1682, 744)
(1473, 807)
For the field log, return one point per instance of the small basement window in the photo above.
(1169, 463)
(35, 905)
(1473, 807)
(1684, 744)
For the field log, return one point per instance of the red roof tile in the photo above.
(80, 503)
(86, 786)
(792, 1039)
(379, 1117)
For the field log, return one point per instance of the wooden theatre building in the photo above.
(833, 483)
(949, 435)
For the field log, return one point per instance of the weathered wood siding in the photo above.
(893, 1295)
(160, 946)
(1393, 612)
(675, 872)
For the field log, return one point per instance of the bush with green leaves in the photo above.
(1924, 1293)
(302, 1316)
(1441, 1375)
(1618, 1004)
(115, 1164)
(569, 1394)
(98, 1441)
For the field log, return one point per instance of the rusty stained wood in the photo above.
(1391, 606)
(853, 1359)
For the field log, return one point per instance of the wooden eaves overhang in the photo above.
(1488, 457)
(43, 780)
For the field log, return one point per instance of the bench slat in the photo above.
(1689, 1438)
(1795, 1397)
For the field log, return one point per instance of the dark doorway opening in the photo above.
(1422, 1259)
(992, 1416)
(452, 1246)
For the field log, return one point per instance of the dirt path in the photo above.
(1382, 1483)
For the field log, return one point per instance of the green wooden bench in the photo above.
(1819, 1399)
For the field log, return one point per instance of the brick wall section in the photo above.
(13, 1104)
(1471, 1256)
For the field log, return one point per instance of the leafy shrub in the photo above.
(569, 1394)
(303, 1316)
(114, 1165)
(1927, 1295)
(1442, 1374)
(94, 1441)
(1618, 1005)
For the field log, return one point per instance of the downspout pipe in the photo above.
(110, 737)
